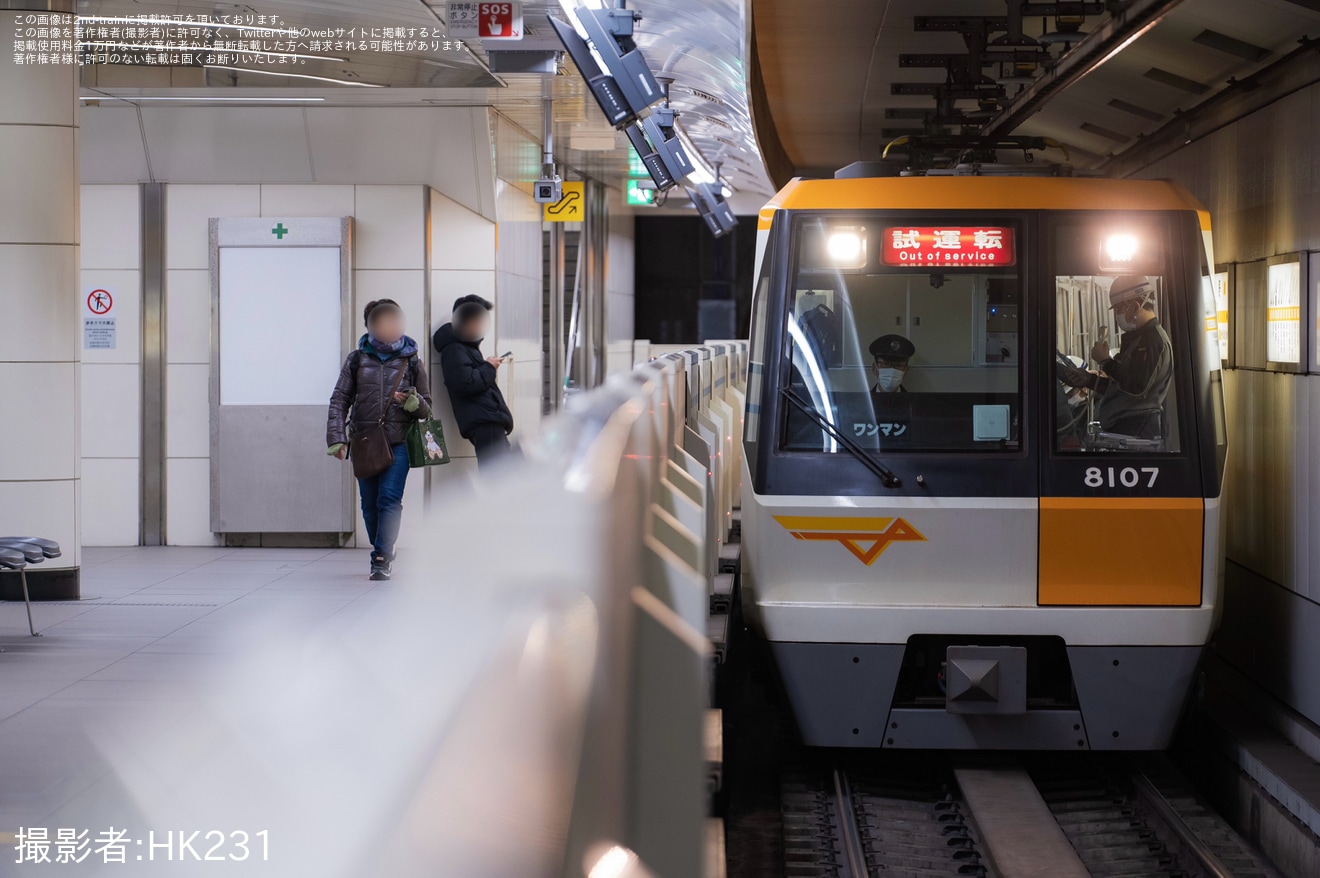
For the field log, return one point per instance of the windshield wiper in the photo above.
(886, 475)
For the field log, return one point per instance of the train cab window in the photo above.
(903, 357)
(1114, 388)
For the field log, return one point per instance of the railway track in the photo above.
(1065, 816)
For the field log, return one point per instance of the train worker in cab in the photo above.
(1131, 385)
(891, 354)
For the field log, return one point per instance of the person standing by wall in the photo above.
(482, 414)
(382, 387)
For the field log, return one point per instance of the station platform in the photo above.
(156, 628)
(878, 442)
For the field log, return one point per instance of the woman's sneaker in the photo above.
(380, 568)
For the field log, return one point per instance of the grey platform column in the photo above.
(40, 453)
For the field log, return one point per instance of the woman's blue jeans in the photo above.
(382, 503)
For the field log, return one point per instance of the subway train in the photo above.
(983, 453)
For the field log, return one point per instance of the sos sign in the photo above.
(499, 21)
(485, 21)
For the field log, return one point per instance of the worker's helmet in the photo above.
(1129, 288)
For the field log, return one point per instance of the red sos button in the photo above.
(499, 21)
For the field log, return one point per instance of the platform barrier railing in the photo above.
(609, 540)
(528, 697)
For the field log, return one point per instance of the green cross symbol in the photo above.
(279, 231)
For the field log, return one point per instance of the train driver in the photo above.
(891, 354)
(1132, 384)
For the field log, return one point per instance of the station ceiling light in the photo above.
(354, 82)
(202, 98)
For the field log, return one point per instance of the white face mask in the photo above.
(1127, 322)
(887, 378)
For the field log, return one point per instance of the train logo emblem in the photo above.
(865, 538)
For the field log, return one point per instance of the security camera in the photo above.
(548, 190)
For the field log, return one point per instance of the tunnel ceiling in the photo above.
(830, 80)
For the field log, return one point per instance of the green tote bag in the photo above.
(426, 443)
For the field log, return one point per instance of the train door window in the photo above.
(1114, 387)
(756, 364)
(898, 356)
(1212, 304)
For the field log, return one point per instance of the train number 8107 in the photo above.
(1127, 477)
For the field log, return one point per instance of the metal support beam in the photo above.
(1297, 70)
(1119, 31)
(555, 318)
(152, 472)
(592, 323)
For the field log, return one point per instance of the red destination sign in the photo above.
(948, 246)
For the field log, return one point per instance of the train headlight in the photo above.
(1121, 249)
(847, 248)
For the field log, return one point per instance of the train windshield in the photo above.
(904, 336)
(1114, 361)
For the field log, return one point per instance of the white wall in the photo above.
(462, 264)
(389, 262)
(112, 380)
(446, 147)
(519, 303)
(619, 277)
(500, 262)
(484, 238)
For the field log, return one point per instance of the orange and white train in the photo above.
(958, 548)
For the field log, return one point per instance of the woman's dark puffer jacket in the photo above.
(470, 380)
(364, 384)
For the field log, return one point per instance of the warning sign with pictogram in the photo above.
(99, 320)
(100, 301)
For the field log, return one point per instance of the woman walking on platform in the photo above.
(382, 388)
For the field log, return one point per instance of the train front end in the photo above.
(984, 445)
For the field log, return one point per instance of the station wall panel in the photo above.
(110, 501)
(110, 394)
(1256, 177)
(306, 200)
(210, 168)
(519, 303)
(462, 263)
(188, 315)
(389, 258)
(389, 228)
(619, 280)
(189, 144)
(49, 321)
(110, 417)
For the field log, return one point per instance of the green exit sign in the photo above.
(635, 166)
(637, 195)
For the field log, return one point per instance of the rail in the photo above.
(1208, 861)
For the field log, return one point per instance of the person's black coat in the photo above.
(470, 380)
(361, 395)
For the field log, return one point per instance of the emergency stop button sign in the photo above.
(486, 21)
